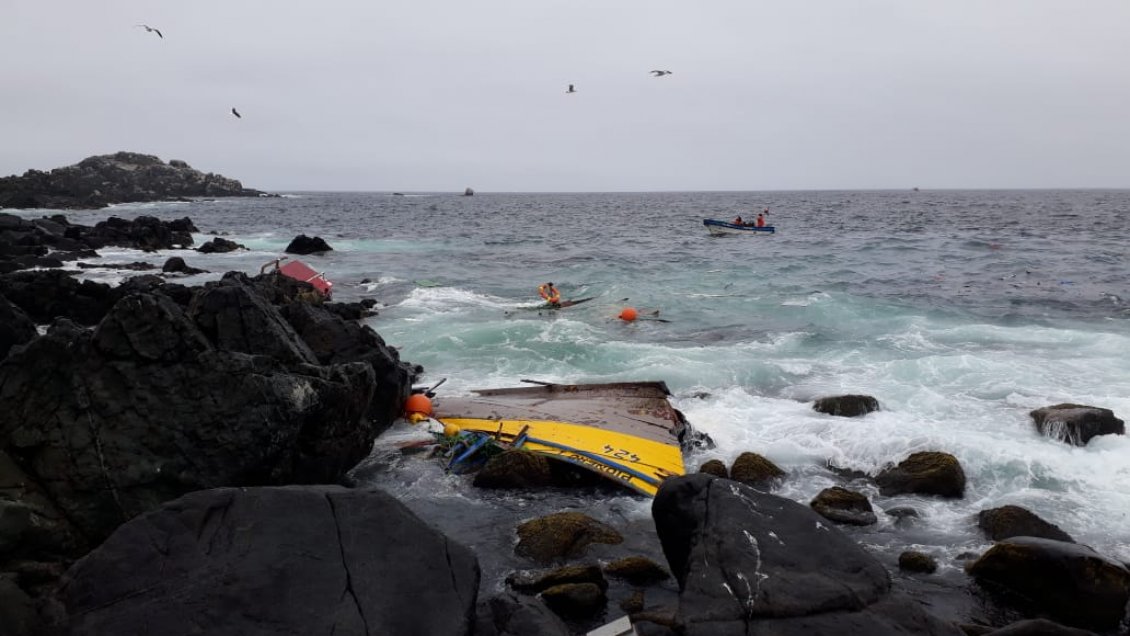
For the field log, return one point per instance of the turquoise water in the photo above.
(959, 311)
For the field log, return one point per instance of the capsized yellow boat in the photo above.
(625, 431)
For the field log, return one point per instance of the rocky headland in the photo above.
(181, 460)
(123, 177)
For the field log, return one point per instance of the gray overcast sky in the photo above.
(444, 94)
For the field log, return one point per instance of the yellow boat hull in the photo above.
(640, 464)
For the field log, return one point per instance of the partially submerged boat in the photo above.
(302, 272)
(627, 432)
(721, 228)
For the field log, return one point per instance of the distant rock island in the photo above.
(123, 177)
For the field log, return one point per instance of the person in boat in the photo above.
(738, 220)
(760, 219)
(549, 294)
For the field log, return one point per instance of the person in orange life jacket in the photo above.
(550, 294)
(760, 220)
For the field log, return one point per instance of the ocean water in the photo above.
(959, 311)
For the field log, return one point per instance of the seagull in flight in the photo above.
(236, 113)
(660, 73)
(149, 29)
(571, 89)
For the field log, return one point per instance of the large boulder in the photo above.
(219, 246)
(15, 327)
(113, 422)
(303, 244)
(268, 561)
(1076, 424)
(236, 318)
(1006, 522)
(1071, 583)
(846, 405)
(925, 473)
(750, 563)
(515, 469)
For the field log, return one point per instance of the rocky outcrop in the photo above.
(176, 265)
(1006, 522)
(1071, 583)
(846, 405)
(145, 408)
(336, 341)
(926, 473)
(303, 244)
(259, 561)
(15, 327)
(123, 177)
(1076, 424)
(49, 294)
(748, 562)
(535, 582)
(48, 242)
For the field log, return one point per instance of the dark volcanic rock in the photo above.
(846, 405)
(844, 506)
(17, 611)
(337, 341)
(176, 265)
(562, 535)
(15, 327)
(144, 233)
(236, 318)
(1014, 521)
(47, 295)
(752, 563)
(144, 408)
(98, 181)
(1072, 583)
(219, 245)
(267, 561)
(513, 615)
(1076, 424)
(303, 244)
(926, 473)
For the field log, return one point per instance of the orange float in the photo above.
(628, 314)
(418, 403)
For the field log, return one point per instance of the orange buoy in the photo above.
(418, 403)
(628, 314)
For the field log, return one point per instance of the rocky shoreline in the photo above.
(177, 460)
(123, 177)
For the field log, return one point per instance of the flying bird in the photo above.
(660, 73)
(236, 113)
(149, 29)
(571, 89)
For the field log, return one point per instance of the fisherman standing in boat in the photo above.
(761, 218)
(550, 294)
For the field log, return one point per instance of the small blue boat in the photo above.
(721, 228)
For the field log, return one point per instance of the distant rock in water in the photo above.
(303, 244)
(124, 177)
